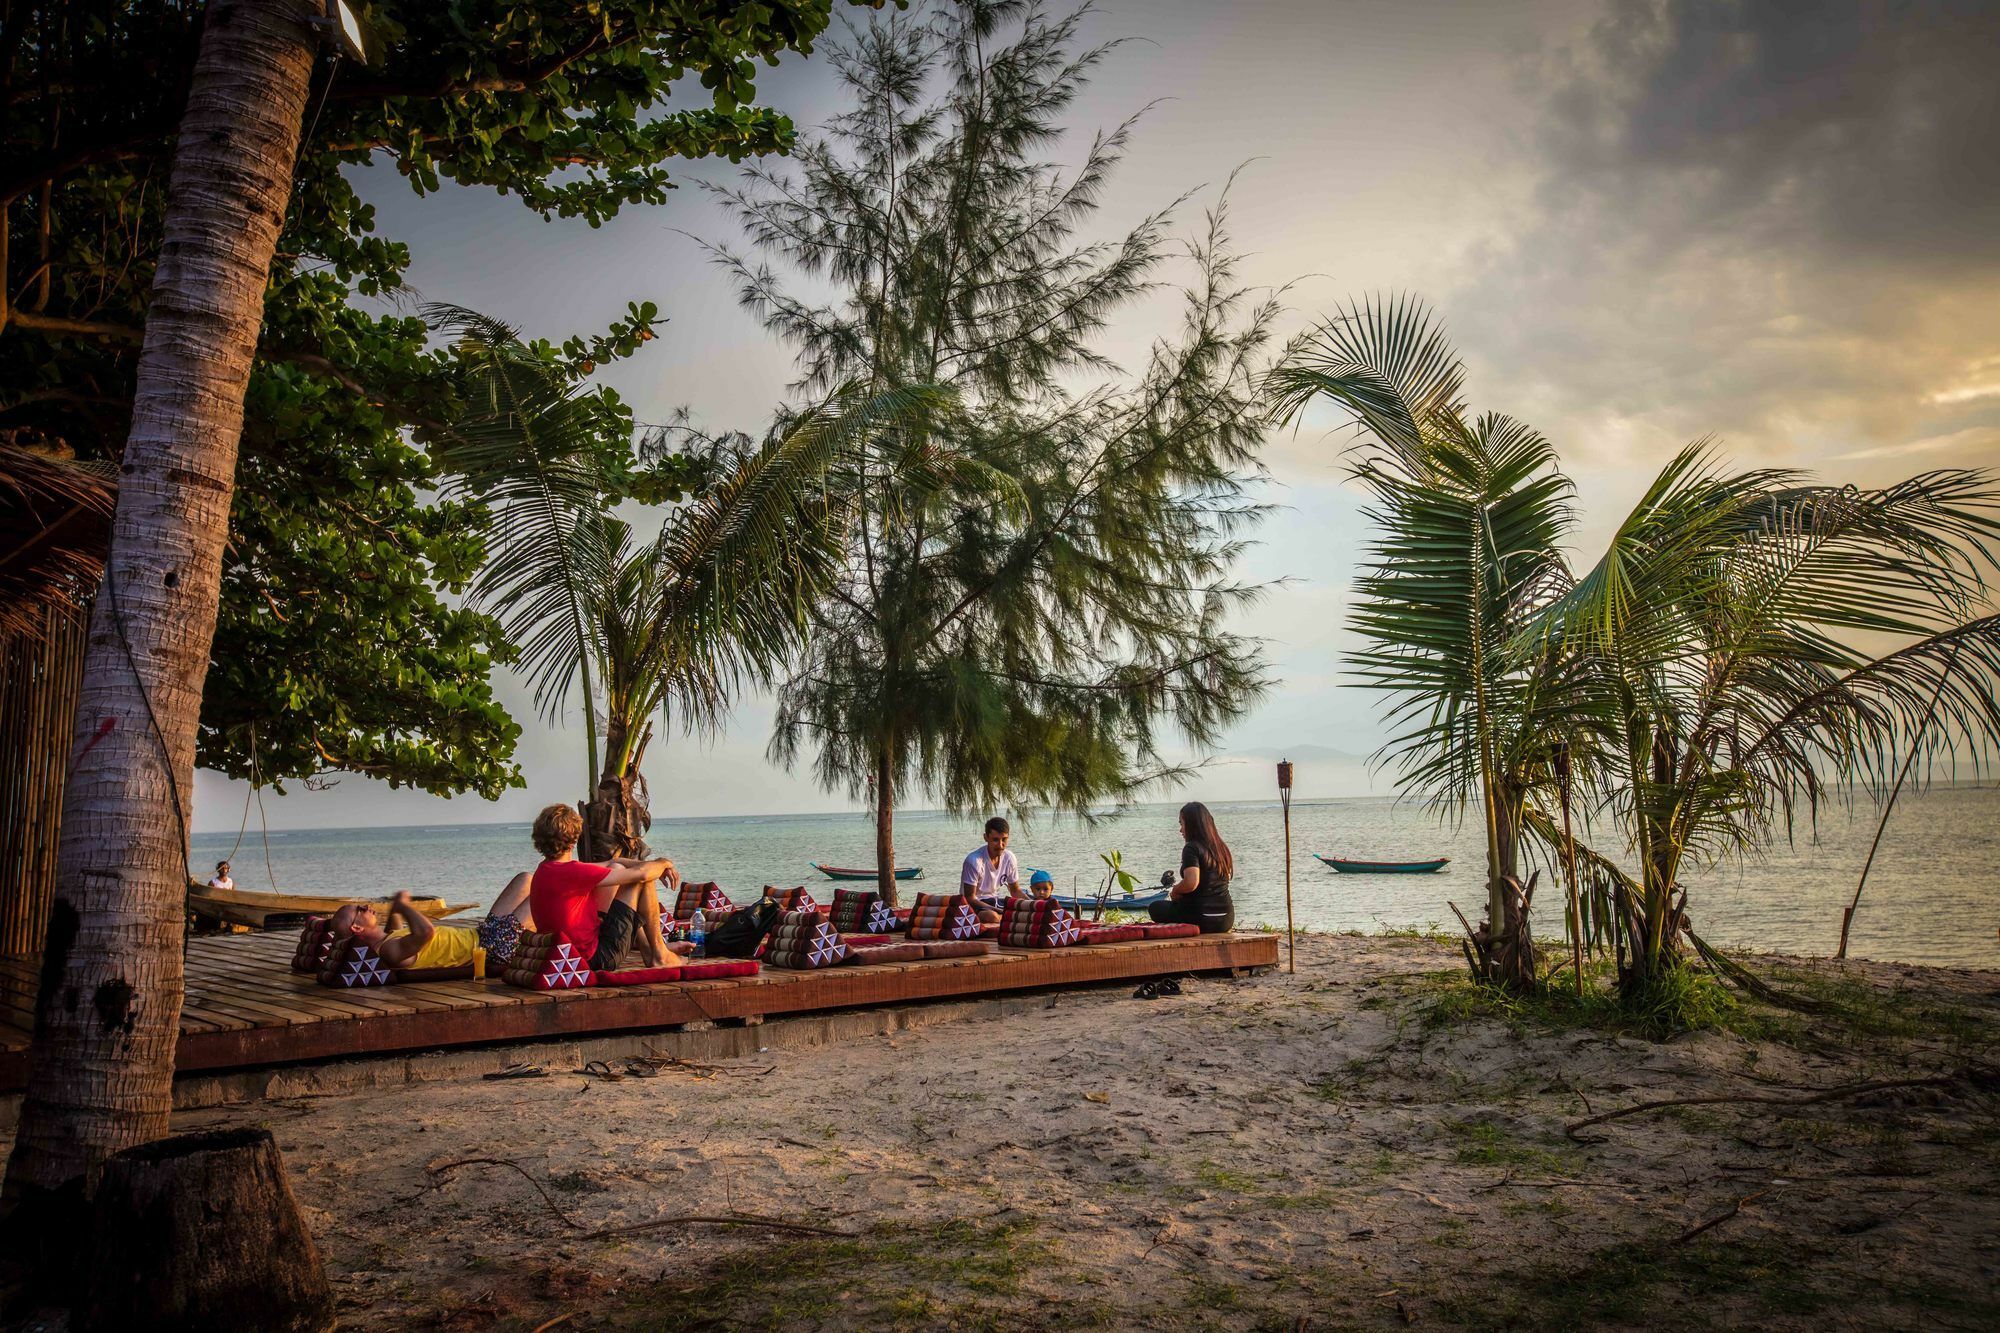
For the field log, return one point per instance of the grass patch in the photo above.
(1846, 1011)
(1206, 1294)
(1433, 932)
(1850, 1009)
(896, 1275)
(1716, 1284)
(1647, 1283)
(1482, 1141)
(1222, 1178)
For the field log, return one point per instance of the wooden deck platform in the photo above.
(245, 1008)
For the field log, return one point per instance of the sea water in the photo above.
(1933, 895)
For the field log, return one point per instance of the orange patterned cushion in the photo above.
(943, 916)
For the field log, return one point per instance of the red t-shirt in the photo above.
(562, 898)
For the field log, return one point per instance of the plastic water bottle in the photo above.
(698, 932)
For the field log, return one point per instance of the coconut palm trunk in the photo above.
(617, 818)
(109, 1004)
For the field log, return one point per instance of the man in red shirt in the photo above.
(596, 908)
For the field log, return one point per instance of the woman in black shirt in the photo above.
(1202, 894)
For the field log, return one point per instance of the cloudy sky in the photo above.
(1643, 222)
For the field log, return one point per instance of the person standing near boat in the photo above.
(1201, 896)
(989, 869)
(222, 880)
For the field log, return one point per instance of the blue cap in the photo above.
(1041, 877)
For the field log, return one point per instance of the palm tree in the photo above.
(102, 1075)
(1725, 623)
(1469, 516)
(674, 626)
(721, 597)
(541, 455)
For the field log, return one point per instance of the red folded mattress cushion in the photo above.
(868, 941)
(315, 945)
(541, 961)
(957, 948)
(1036, 923)
(352, 964)
(805, 940)
(889, 953)
(717, 970)
(1138, 930)
(710, 898)
(861, 912)
(792, 900)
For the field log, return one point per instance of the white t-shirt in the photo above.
(989, 879)
(222, 882)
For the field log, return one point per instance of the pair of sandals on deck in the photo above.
(1158, 988)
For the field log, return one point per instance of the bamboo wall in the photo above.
(40, 675)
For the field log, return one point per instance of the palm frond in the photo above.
(1387, 361)
(741, 569)
(1464, 549)
(529, 446)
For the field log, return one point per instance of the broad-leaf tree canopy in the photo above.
(339, 645)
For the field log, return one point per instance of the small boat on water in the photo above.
(849, 872)
(1347, 867)
(276, 911)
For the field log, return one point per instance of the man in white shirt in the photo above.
(222, 879)
(989, 870)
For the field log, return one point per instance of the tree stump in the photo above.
(201, 1231)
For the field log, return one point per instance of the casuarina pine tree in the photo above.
(1042, 622)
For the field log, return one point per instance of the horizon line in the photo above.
(790, 814)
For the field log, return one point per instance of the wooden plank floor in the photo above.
(246, 1008)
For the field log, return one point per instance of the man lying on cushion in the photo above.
(597, 908)
(419, 943)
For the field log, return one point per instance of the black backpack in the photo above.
(739, 934)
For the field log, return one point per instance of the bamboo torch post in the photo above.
(1285, 800)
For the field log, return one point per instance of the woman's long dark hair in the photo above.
(1200, 827)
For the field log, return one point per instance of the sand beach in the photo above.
(1363, 1144)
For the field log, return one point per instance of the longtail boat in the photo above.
(1347, 867)
(1124, 902)
(266, 911)
(849, 872)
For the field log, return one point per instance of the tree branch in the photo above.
(123, 141)
(515, 79)
(83, 328)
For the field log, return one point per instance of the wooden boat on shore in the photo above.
(849, 872)
(1347, 867)
(276, 911)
